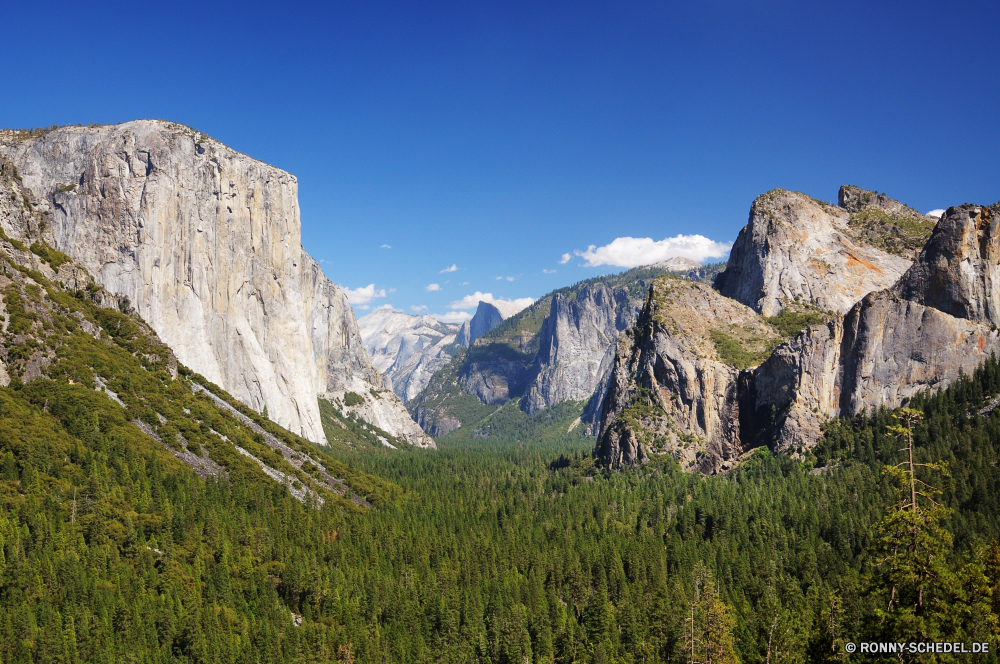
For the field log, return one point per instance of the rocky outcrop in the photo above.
(885, 351)
(795, 248)
(879, 221)
(577, 344)
(406, 349)
(205, 243)
(958, 271)
(673, 388)
(495, 373)
(937, 321)
(488, 316)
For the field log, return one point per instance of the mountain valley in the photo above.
(205, 457)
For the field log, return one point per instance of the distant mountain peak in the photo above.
(678, 264)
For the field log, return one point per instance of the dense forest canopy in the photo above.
(506, 545)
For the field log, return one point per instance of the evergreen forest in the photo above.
(505, 548)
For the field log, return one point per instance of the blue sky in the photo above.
(498, 137)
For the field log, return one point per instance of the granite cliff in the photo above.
(488, 315)
(795, 248)
(94, 367)
(674, 388)
(205, 244)
(576, 342)
(938, 320)
(919, 330)
(560, 349)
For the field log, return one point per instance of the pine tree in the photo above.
(914, 549)
(708, 627)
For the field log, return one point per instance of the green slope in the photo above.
(520, 550)
(145, 514)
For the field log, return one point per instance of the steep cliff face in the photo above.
(886, 350)
(936, 322)
(797, 248)
(560, 348)
(205, 243)
(958, 271)
(576, 346)
(674, 386)
(407, 350)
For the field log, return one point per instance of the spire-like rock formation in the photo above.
(673, 389)
(958, 271)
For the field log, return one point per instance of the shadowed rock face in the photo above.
(576, 348)
(797, 248)
(669, 390)
(958, 271)
(886, 350)
(205, 242)
(937, 321)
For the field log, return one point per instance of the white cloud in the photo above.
(510, 278)
(433, 287)
(936, 213)
(418, 307)
(456, 317)
(453, 268)
(507, 278)
(363, 295)
(472, 301)
(386, 306)
(549, 271)
(385, 246)
(565, 259)
(363, 307)
(464, 283)
(634, 251)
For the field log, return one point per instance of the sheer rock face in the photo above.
(406, 349)
(886, 350)
(669, 390)
(795, 247)
(576, 349)
(937, 322)
(958, 270)
(205, 243)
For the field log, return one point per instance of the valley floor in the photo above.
(511, 548)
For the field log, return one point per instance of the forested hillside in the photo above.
(511, 547)
(527, 553)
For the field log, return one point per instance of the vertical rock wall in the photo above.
(206, 244)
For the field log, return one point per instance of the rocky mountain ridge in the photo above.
(406, 349)
(558, 350)
(920, 332)
(205, 243)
